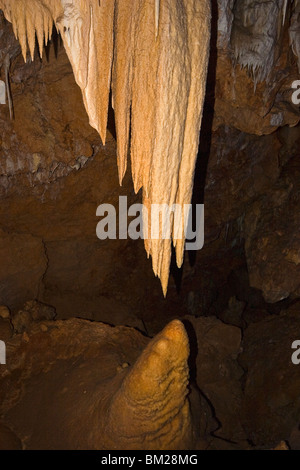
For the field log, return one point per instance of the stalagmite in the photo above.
(152, 55)
(153, 395)
(100, 387)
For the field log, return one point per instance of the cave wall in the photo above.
(238, 297)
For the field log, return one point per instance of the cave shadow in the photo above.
(193, 349)
(56, 42)
(193, 383)
(205, 140)
(111, 122)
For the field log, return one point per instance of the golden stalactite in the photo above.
(152, 56)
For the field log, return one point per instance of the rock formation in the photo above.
(139, 107)
(153, 57)
(271, 394)
(241, 291)
(97, 388)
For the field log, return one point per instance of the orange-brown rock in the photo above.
(23, 263)
(159, 55)
(255, 65)
(98, 387)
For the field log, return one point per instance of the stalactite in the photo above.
(153, 56)
(255, 34)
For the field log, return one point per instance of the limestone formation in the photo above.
(21, 266)
(294, 30)
(255, 35)
(256, 66)
(32, 311)
(153, 57)
(98, 387)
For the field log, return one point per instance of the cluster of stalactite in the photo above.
(152, 57)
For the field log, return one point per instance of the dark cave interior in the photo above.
(69, 301)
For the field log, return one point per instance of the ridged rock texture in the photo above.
(257, 42)
(97, 387)
(256, 33)
(54, 172)
(239, 297)
(152, 56)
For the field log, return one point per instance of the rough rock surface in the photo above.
(50, 191)
(22, 267)
(6, 329)
(143, 52)
(54, 172)
(273, 239)
(65, 370)
(271, 408)
(218, 374)
(255, 69)
(99, 387)
(31, 311)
